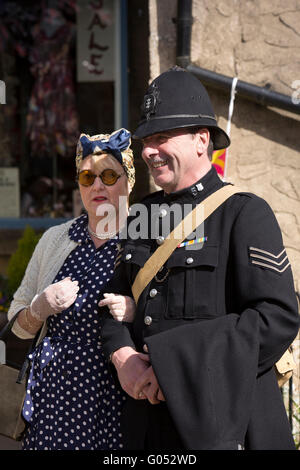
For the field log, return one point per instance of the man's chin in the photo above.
(163, 182)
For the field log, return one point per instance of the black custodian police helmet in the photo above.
(177, 99)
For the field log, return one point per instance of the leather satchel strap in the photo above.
(195, 218)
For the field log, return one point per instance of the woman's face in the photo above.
(99, 194)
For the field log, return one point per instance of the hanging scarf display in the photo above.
(16, 23)
(15, 26)
(52, 121)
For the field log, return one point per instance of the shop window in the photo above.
(47, 104)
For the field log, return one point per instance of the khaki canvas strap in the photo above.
(194, 219)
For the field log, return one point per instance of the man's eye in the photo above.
(158, 139)
(163, 138)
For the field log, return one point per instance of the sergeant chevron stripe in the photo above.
(269, 260)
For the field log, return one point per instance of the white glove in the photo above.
(54, 299)
(121, 307)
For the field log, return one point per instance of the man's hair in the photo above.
(210, 149)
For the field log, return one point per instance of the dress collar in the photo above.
(78, 231)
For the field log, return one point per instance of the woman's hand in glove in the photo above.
(121, 307)
(54, 299)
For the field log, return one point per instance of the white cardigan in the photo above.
(47, 259)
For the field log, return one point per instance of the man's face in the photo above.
(172, 158)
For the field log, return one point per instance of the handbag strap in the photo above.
(195, 218)
(8, 326)
(36, 340)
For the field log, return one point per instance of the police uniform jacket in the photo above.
(215, 319)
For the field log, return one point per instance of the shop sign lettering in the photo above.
(95, 40)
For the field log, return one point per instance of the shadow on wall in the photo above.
(138, 61)
(166, 31)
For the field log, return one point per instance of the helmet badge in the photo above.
(150, 102)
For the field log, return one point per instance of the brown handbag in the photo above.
(12, 396)
(12, 392)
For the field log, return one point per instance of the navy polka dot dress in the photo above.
(72, 401)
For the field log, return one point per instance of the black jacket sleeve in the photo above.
(261, 280)
(116, 334)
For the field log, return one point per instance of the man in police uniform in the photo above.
(198, 360)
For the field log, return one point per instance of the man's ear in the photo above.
(202, 136)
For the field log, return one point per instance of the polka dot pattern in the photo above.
(72, 401)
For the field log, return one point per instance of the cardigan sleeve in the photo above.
(29, 287)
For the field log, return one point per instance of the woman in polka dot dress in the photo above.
(72, 401)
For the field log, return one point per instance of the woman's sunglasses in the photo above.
(108, 177)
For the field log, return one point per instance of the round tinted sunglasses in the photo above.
(108, 177)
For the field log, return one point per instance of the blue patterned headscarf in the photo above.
(116, 144)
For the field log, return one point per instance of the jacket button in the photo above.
(148, 320)
(160, 240)
(163, 212)
(153, 292)
(189, 260)
(128, 257)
